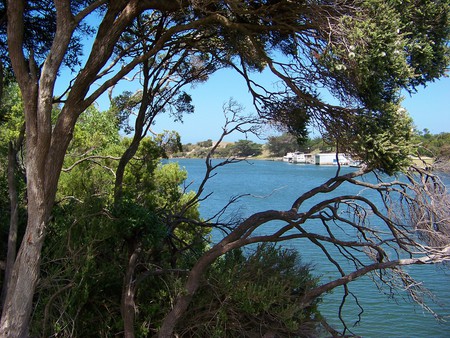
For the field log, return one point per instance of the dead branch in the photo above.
(91, 159)
(414, 231)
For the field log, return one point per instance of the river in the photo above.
(275, 185)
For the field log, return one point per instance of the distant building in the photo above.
(295, 157)
(310, 159)
(331, 159)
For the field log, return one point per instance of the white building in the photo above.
(310, 159)
(289, 157)
(295, 157)
(331, 159)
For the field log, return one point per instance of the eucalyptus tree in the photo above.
(246, 148)
(47, 141)
(162, 78)
(280, 145)
(363, 52)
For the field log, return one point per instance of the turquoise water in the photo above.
(275, 185)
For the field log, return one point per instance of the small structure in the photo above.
(331, 159)
(310, 158)
(299, 158)
(295, 157)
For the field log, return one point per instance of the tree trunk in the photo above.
(128, 306)
(18, 305)
(236, 239)
(13, 220)
(183, 300)
(19, 298)
(46, 143)
(137, 138)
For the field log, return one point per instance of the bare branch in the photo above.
(385, 244)
(91, 158)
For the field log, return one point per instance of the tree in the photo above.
(124, 248)
(364, 53)
(246, 148)
(380, 250)
(434, 145)
(11, 141)
(47, 143)
(253, 295)
(280, 145)
(40, 20)
(205, 144)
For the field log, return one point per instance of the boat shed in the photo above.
(331, 159)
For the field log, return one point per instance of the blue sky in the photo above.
(429, 108)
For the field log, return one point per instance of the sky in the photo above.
(429, 108)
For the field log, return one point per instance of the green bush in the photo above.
(248, 296)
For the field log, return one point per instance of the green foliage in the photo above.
(91, 237)
(246, 296)
(11, 111)
(90, 164)
(82, 272)
(95, 130)
(122, 106)
(181, 105)
(374, 53)
(134, 220)
(387, 46)
(11, 123)
(317, 144)
(436, 146)
(382, 140)
(245, 148)
(205, 144)
(4, 216)
(280, 145)
(169, 142)
(291, 115)
(139, 173)
(364, 52)
(40, 23)
(425, 25)
(168, 193)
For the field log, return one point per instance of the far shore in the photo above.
(438, 166)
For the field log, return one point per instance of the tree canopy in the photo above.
(364, 53)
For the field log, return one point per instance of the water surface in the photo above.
(275, 185)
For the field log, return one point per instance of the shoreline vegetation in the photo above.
(433, 151)
(101, 239)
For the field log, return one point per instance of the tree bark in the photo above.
(46, 144)
(132, 149)
(19, 299)
(18, 304)
(128, 305)
(45, 148)
(14, 215)
(183, 300)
